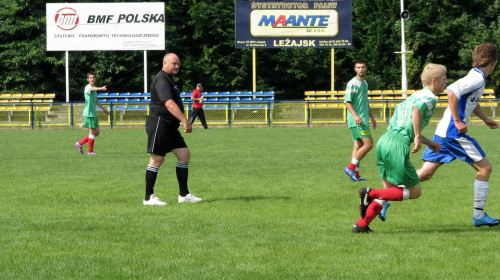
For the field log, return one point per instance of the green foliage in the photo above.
(202, 34)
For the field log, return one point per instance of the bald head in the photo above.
(171, 64)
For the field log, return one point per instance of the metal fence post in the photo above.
(111, 115)
(308, 112)
(269, 114)
(229, 115)
(387, 111)
(72, 113)
(32, 114)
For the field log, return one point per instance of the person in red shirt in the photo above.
(197, 98)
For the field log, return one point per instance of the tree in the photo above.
(202, 34)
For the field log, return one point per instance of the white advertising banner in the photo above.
(105, 26)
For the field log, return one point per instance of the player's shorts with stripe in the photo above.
(393, 160)
(90, 122)
(163, 137)
(464, 148)
(360, 131)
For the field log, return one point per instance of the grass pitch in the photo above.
(277, 205)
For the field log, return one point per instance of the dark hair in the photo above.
(360, 61)
(90, 73)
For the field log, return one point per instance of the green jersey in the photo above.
(357, 94)
(90, 102)
(401, 122)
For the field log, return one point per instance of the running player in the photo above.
(451, 132)
(393, 148)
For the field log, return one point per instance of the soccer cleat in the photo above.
(365, 200)
(357, 229)
(383, 214)
(361, 178)
(79, 147)
(92, 153)
(485, 221)
(189, 198)
(351, 174)
(153, 200)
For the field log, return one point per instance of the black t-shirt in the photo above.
(162, 89)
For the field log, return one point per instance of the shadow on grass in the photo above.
(248, 198)
(447, 228)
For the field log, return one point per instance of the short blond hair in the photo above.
(432, 71)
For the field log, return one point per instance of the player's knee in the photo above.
(425, 173)
(369, 145)
(416, 193)
(486, 171)
(184, 157)
(489, 169)
(95, 131)
(424, 176)
(156, 160)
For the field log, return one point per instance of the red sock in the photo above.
(351, 166)
(371, 213)
(357, 173)
(391, 194)
(91, 145)
(84, 140)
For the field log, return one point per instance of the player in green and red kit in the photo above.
(399, 177)
(90, 115)
(358, 111)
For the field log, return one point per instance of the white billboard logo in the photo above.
(67, 19)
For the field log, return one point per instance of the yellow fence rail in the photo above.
(269, 113)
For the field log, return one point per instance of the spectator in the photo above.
(197, 98)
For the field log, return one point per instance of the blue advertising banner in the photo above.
(307, 24)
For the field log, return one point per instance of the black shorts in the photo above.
(162, 136)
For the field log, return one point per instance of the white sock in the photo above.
(355, 161)
(480, 193)
(406, 193)
(381, 202)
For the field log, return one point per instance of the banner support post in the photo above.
(67, 76)
(254, 70)
(333, 70)
(145, 71)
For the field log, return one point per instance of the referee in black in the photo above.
(162, 125)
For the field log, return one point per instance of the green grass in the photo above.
(277, 205)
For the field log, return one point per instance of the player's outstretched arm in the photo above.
(99, 88)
